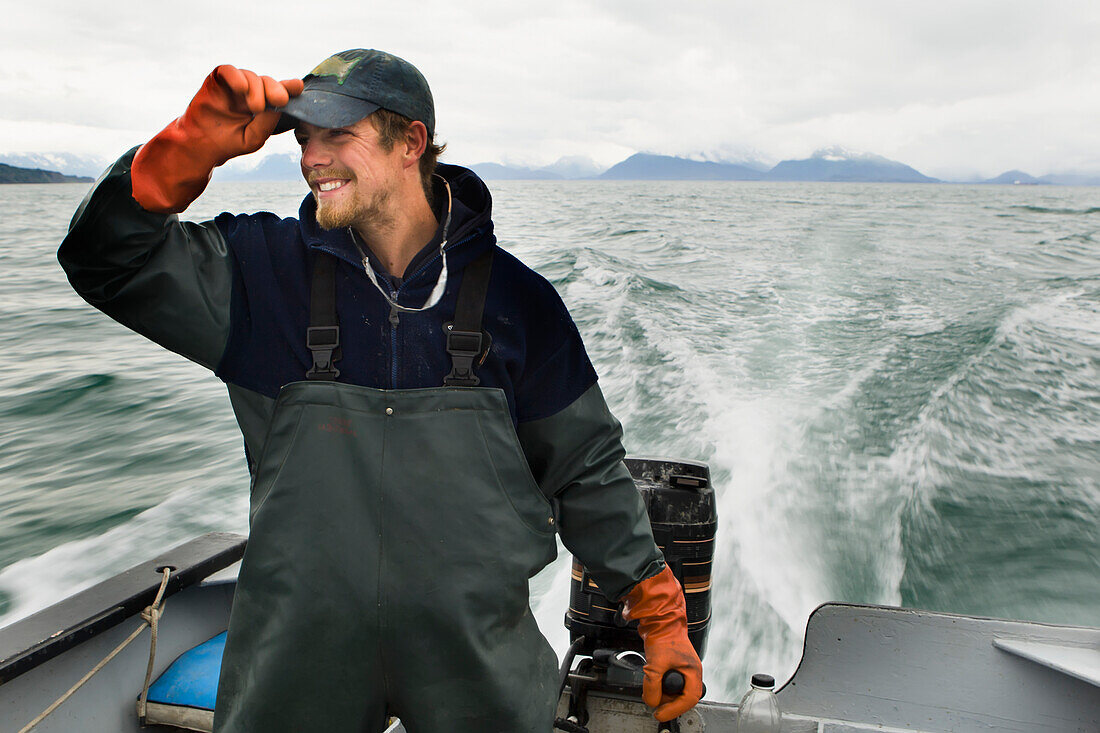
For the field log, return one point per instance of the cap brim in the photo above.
(324, 109)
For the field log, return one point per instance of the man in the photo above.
(419, 413)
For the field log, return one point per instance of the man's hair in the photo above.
(391, 128)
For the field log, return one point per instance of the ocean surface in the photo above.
(897, 388)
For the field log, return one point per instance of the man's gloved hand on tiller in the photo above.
(233, 114)
(657, 604)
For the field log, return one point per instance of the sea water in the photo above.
(897, 389)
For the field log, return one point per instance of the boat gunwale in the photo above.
(51, 632)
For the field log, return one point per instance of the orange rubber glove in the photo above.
(233, 114)
(657, 604)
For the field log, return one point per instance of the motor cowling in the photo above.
(681, 506)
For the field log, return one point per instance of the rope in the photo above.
(150, 617)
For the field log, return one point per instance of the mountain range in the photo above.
(829, 164)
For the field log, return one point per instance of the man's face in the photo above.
(351, 175)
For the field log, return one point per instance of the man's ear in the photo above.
(416, 141)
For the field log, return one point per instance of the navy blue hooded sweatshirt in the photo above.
(536, 355)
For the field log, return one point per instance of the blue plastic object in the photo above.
(192, 680)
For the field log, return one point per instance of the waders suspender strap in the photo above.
(465, 339)
(323, 334)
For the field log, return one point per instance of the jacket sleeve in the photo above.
(577, 456)
(168, 280)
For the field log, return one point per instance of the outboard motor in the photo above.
(681, 506)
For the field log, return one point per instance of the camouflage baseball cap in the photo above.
(350, 85)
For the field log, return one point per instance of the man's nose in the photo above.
(315, 154)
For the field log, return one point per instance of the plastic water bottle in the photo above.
(759, 709)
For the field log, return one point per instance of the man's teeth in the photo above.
(330, 185)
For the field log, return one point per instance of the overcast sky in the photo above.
(951, 88)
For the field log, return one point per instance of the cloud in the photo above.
(938, 84)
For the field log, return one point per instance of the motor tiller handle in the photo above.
(672, 683)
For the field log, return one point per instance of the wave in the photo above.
(1057, 210)
(1008, 443)
(64, 394)
(33, 583)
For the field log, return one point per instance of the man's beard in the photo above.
(350, 211)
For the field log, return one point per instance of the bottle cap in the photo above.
(763, 680)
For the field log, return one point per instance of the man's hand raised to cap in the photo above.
(250, 102)
(233, 114)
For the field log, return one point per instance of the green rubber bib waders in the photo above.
(393, 533)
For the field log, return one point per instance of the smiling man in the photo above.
(358, 179)
(419, 414)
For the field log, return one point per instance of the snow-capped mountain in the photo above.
(567, 167)
(840, 164)
(575, 166)
(274, 167)
(646, 166)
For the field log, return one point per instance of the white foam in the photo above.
(37, 582)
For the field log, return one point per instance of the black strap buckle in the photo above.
(323, 341)
(464, 348)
